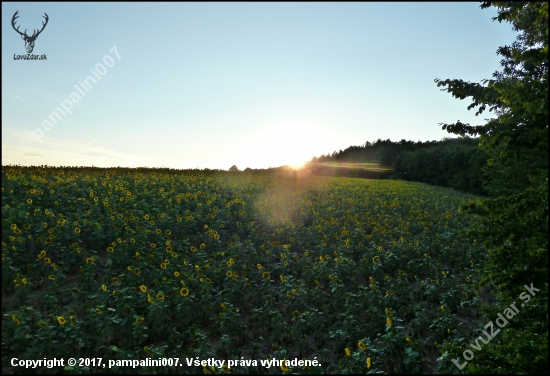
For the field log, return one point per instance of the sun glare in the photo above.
(291, 143)
(297, 165)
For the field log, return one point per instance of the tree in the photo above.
(233, 168)
(514, 224)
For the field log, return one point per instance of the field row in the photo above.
(363, 275)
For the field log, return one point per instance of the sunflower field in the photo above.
(365, 276)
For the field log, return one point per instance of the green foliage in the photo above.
(233, 168)
(451, 162)
(515, 222)
(455, 167)
(363, 275)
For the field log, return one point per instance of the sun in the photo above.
(291, 143)
(297, 165)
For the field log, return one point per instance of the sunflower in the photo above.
(137, 271)
(348, 351)
(265, 275)
(229, 273)
(77, 230)
(149, 299)
(368, 363)
(15, 319)
(389, 321)
(361, 345)
(104, 288)
(259, 266)
(149, 352)
(283, 279)
(184, 292)
(143, 288)
(61, 320)
(42, 254)
(47, 260)
(160, 296)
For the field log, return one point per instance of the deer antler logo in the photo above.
(29, 40)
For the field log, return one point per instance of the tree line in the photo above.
(451, 162)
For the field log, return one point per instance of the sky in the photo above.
(212, 85)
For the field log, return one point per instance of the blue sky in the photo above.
(257, 85)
